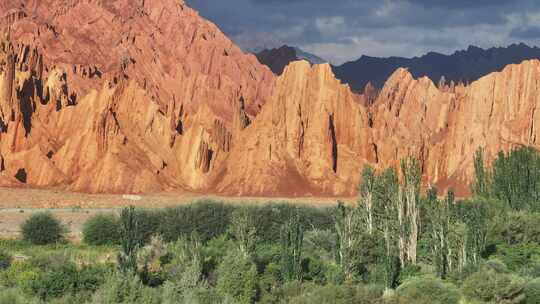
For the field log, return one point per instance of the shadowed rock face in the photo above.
(277, 59)
(139, 96)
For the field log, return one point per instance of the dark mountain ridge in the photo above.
(462, 66)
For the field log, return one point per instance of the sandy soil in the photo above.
(73, 209)
(73, 220)
(58, 199)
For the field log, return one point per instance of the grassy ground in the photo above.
(76, 251)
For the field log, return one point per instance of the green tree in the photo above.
(42, 229)
(482, 182)
(475, 214)
(237, 278)
(409, 210)
(366, 192)
(349, 232)
(101, 229)
(386, 221)
(292, 238)
(243, 228)
(516, 178)
(125, 288)
(186, 266)
(439, 217)
(129, 236)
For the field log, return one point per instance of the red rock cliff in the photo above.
(138, 96)
(121, 96)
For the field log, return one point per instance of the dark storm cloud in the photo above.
(461, 4)
(345, 29)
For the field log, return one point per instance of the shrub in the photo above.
(55, 282)
(56, 276)
(321, 242)
(91, 278)
(185, 266)
(173, 294)
(130, 240)
(338, 294)
(147, 225)
(42, 229)
(269, 282)
(518, 256)
(427, 291)
(237, 278)
(14, 296)
(334, 274)
(497, 265)
(314, 270)
(125, 288)
(532, 292)
(272, 216)
(5, 260)
(213, 254)
(20, 274)
(518, 227)
(409, 272)
(101, 229)
(208, 219)
(489, 286)
(201, 296)
(152, 258)
(325, 294)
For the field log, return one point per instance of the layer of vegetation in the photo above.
(398, 245)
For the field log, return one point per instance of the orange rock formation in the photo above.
(120, 96)
(142, 96)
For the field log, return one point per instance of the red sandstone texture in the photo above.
(121, 96)
(118, 96)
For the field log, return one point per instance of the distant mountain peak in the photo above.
(462, 66)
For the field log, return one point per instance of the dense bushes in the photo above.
(15, 296)
(125, 288)
(237, 278)
(427, 291)
(20, 274)
(205, 218)
(519, 227)
(337, 294)
(210, 219)
(101, 229)
(532, 292)
(491, 286)
(55, 276)
(513, 178)
(42, 229)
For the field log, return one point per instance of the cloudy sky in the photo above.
(342, 30)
